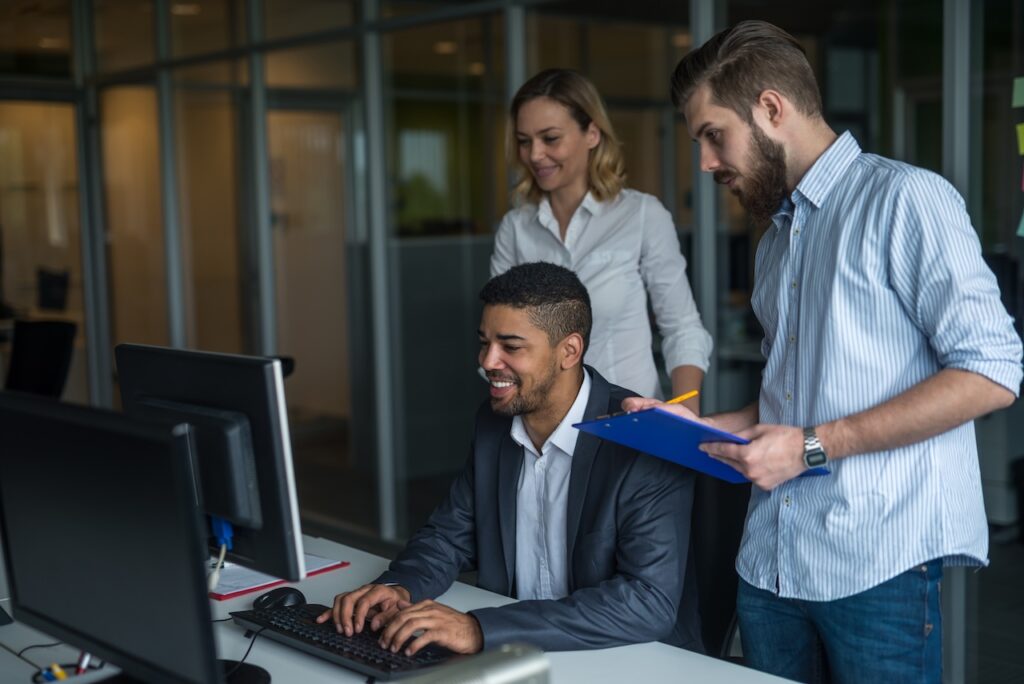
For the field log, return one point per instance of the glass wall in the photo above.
(40, 239)
(996, 205)
(124, 34)
(444, 85)
(137, 273)
(321, 321)
(207, 111)
(35, 39)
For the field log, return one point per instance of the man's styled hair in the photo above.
(553, 296)
(606, 170)
(740, 63)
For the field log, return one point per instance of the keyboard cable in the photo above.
(227, 675)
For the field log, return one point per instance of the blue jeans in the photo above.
(891, 633)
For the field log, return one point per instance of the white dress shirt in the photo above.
(542, 503)
(622, 250)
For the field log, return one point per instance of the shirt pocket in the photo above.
(612, 279)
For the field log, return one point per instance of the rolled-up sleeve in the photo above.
(685, 342)
(945, 286)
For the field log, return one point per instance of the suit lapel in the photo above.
(510, 461)
(582, 462)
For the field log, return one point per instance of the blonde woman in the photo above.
(573, 210)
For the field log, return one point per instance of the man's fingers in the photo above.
(401, 618)
(370, 600)
(639, 403)
(386, 612)
(428, 637)
(343, 609)
(408, 628)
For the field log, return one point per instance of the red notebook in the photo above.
(236, 580)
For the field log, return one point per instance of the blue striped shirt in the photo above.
(869, 281)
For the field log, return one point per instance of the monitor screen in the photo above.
(101, 536)
(237, 409)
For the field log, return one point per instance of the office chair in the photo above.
(719, 511)
(52, 288)
(40, 357)
(287, 365)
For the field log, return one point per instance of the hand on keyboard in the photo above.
(378, 601)
(299, 627)
(429, 622)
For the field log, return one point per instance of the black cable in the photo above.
(29, 648)
(18, 655)
(227, 675)
(222, 620)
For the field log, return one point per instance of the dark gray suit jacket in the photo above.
(628, 541)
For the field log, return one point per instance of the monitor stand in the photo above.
(5, 619)
(244, 673)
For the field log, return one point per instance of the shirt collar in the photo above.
(547, 217)
(827, 170)
(565, 435)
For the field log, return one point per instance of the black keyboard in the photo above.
(296, 626)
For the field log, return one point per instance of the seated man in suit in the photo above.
(592, 537)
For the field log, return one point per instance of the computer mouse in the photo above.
(279, 598)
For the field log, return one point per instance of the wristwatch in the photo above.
(814, 454)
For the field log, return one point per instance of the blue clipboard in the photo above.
(671, 437)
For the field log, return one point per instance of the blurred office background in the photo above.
(322, 178)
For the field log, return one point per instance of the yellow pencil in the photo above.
(683, 397)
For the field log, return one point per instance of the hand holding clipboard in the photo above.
(664, 433)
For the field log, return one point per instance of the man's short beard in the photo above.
(765, 184)
(522, 404)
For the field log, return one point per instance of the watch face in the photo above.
(814, 459)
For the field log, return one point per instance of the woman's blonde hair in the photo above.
(606, 170)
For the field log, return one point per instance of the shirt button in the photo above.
(793, 284)
(787, 501)
(792, 338)
(789, 397)
(796, 231)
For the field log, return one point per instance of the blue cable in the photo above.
(222, 530)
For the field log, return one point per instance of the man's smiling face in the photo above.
(520, 361)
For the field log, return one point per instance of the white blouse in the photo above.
(622, 250)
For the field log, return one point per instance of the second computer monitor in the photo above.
(236, 407)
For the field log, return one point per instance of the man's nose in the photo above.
(490, 358)
(709, 161)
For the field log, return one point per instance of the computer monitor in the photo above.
(5, 617)
(100, 527)
(236, 407)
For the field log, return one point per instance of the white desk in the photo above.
(652, 662)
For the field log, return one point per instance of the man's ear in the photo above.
(771, 107)
(571, 350)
